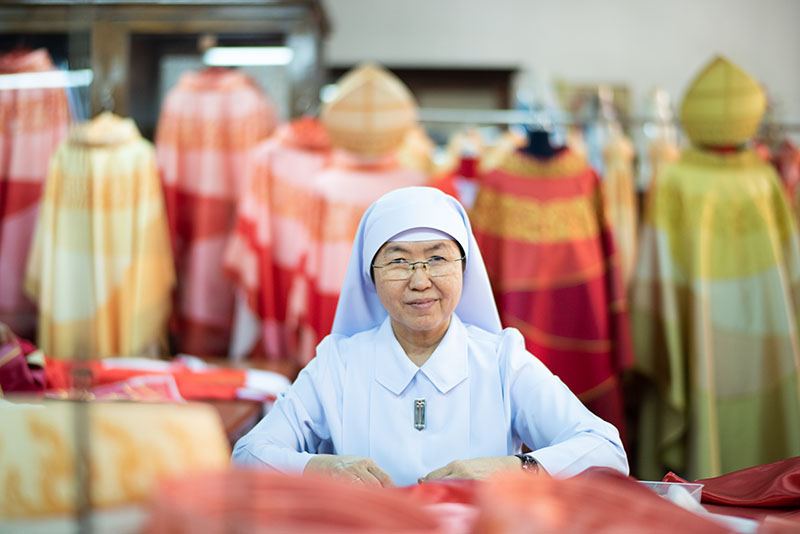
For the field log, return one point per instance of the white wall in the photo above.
(642, 43)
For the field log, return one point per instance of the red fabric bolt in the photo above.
(597, 501)
(258, 501)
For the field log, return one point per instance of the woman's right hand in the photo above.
(351, 467)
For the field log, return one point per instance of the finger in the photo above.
(382, 476)
(436, 474)
(366, 478)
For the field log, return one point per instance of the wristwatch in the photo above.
(529, 463)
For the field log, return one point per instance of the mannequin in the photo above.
(715, 295)
(367, 121)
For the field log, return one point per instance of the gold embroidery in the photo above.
(533, 221)
(568, 163)
(56, 465)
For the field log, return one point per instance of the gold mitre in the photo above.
(723, 106)
(371, 112)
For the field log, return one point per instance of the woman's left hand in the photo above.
(477, 468)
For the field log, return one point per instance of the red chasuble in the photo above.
(542, 230)
(209, 123)
(33, 122)
(271, 236)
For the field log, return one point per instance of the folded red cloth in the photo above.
(212, 383)
(766, 486)
(15, 373)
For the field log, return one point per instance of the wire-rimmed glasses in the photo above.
(401, 269)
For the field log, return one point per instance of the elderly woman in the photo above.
(418, 381)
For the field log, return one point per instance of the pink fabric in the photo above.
(272, 234)
(208, 125)
(32, 123)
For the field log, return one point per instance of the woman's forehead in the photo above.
(425, 247)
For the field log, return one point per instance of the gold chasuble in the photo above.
(620, 196)
(714, 301)
(101, 267)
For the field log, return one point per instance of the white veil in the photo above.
(404, 209)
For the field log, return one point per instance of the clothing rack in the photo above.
(513, 116)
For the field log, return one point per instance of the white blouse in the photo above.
(484, 396)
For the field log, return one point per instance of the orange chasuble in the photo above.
(272, 234)
(100, 267)
(342, 193)
(32, 123)
(209, 123)
(543, 231)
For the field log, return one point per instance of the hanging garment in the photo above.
(544, 235)
(271, 235)
(33, 122)
(715, 314)
(100, 267)
(208, 124)
(661, 152)
(656, 137)
(341, 194)
(716, 294)
(620, 197)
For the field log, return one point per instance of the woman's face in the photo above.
(421, 304)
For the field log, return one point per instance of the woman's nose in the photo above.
(419, 277)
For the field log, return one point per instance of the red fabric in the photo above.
(446, 183)
(563, 294)
(443, 491)
(597, 501)
(258, 501)
(770, 485)
(215, 383)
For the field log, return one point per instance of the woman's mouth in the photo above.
(421, 304)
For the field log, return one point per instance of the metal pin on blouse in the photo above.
(419, 414)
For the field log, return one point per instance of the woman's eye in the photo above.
(436, 259)
(398, 261)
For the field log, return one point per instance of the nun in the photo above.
(418, 381)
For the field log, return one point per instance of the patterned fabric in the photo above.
(100, 267)
(714, 311)
(134, 446)
(620, 195)
(272, 234)
(208, 124)
(32, 123)
(341, 194)
(542, 228)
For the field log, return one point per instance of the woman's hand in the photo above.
(351, 467)
(477, 468)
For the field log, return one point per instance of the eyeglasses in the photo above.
(403, 269)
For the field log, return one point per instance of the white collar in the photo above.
(446, 367)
